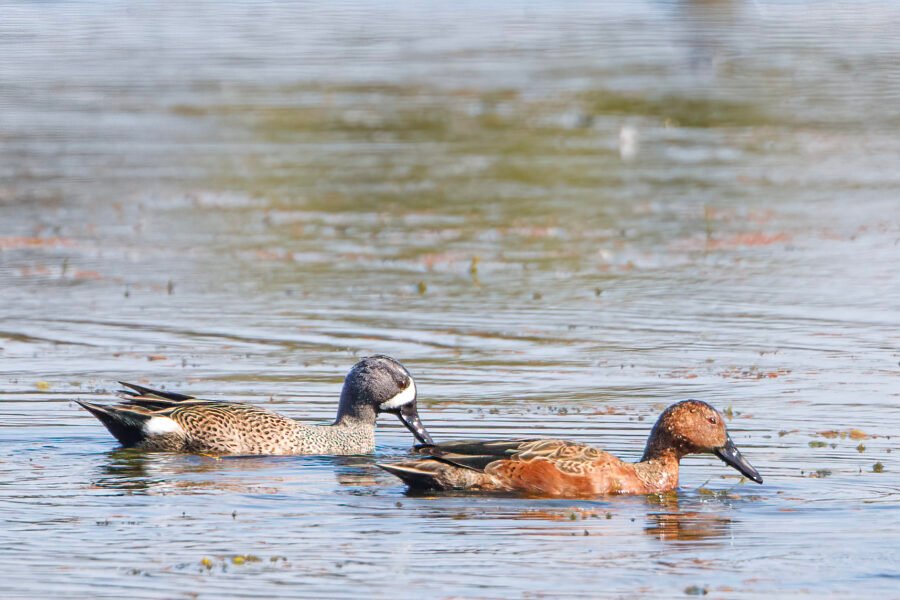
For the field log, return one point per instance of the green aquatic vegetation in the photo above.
(696, 590)
(817, 444)
(505, 126)
(878, 468)
(679, 111)
(479, 145)
(726, 494)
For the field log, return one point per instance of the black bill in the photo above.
(732, 457)
(409, 416)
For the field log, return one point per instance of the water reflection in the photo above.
(224, 199)
(357, 472)
(707, 27)
(667, 517)
(667, 521)
(136, 471)
(125, 469)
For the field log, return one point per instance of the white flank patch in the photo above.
(161, 426)
(404, 397)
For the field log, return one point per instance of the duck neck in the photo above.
(661, 445)
(353, 412)
(659, 472)
(659, 465)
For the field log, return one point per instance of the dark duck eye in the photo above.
(713, 420)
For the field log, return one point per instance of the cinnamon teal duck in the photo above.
(165, 421)
(557, 468)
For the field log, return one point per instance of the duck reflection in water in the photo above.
(126, 470)
(669, 522)
(134, 471)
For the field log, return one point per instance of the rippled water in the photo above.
(560, 218)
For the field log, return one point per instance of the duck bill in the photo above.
(732, 457)
(409, 416)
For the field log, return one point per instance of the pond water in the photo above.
(560, 218)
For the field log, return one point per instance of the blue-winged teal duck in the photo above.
(166, 421)
(559, 468)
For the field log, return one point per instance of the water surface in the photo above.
(560, 218)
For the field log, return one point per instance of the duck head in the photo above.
(379, 384)
(695, 427)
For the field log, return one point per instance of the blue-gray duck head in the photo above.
(382, 384)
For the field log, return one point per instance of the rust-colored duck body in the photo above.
(557, 468)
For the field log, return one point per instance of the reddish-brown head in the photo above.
(695, 427)
(692, 427)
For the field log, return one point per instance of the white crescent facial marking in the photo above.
(404, 397)
(161, 426)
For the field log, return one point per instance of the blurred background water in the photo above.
(560, 216)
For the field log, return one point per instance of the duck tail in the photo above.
(127, 426)
(141, 392)
(434, 474)
(415, 474)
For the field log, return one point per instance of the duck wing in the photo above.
(139, 395)
(477, 455)
(472, 454)
(536, 466)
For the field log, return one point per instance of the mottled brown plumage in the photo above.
(165, 421)
(558, 468)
